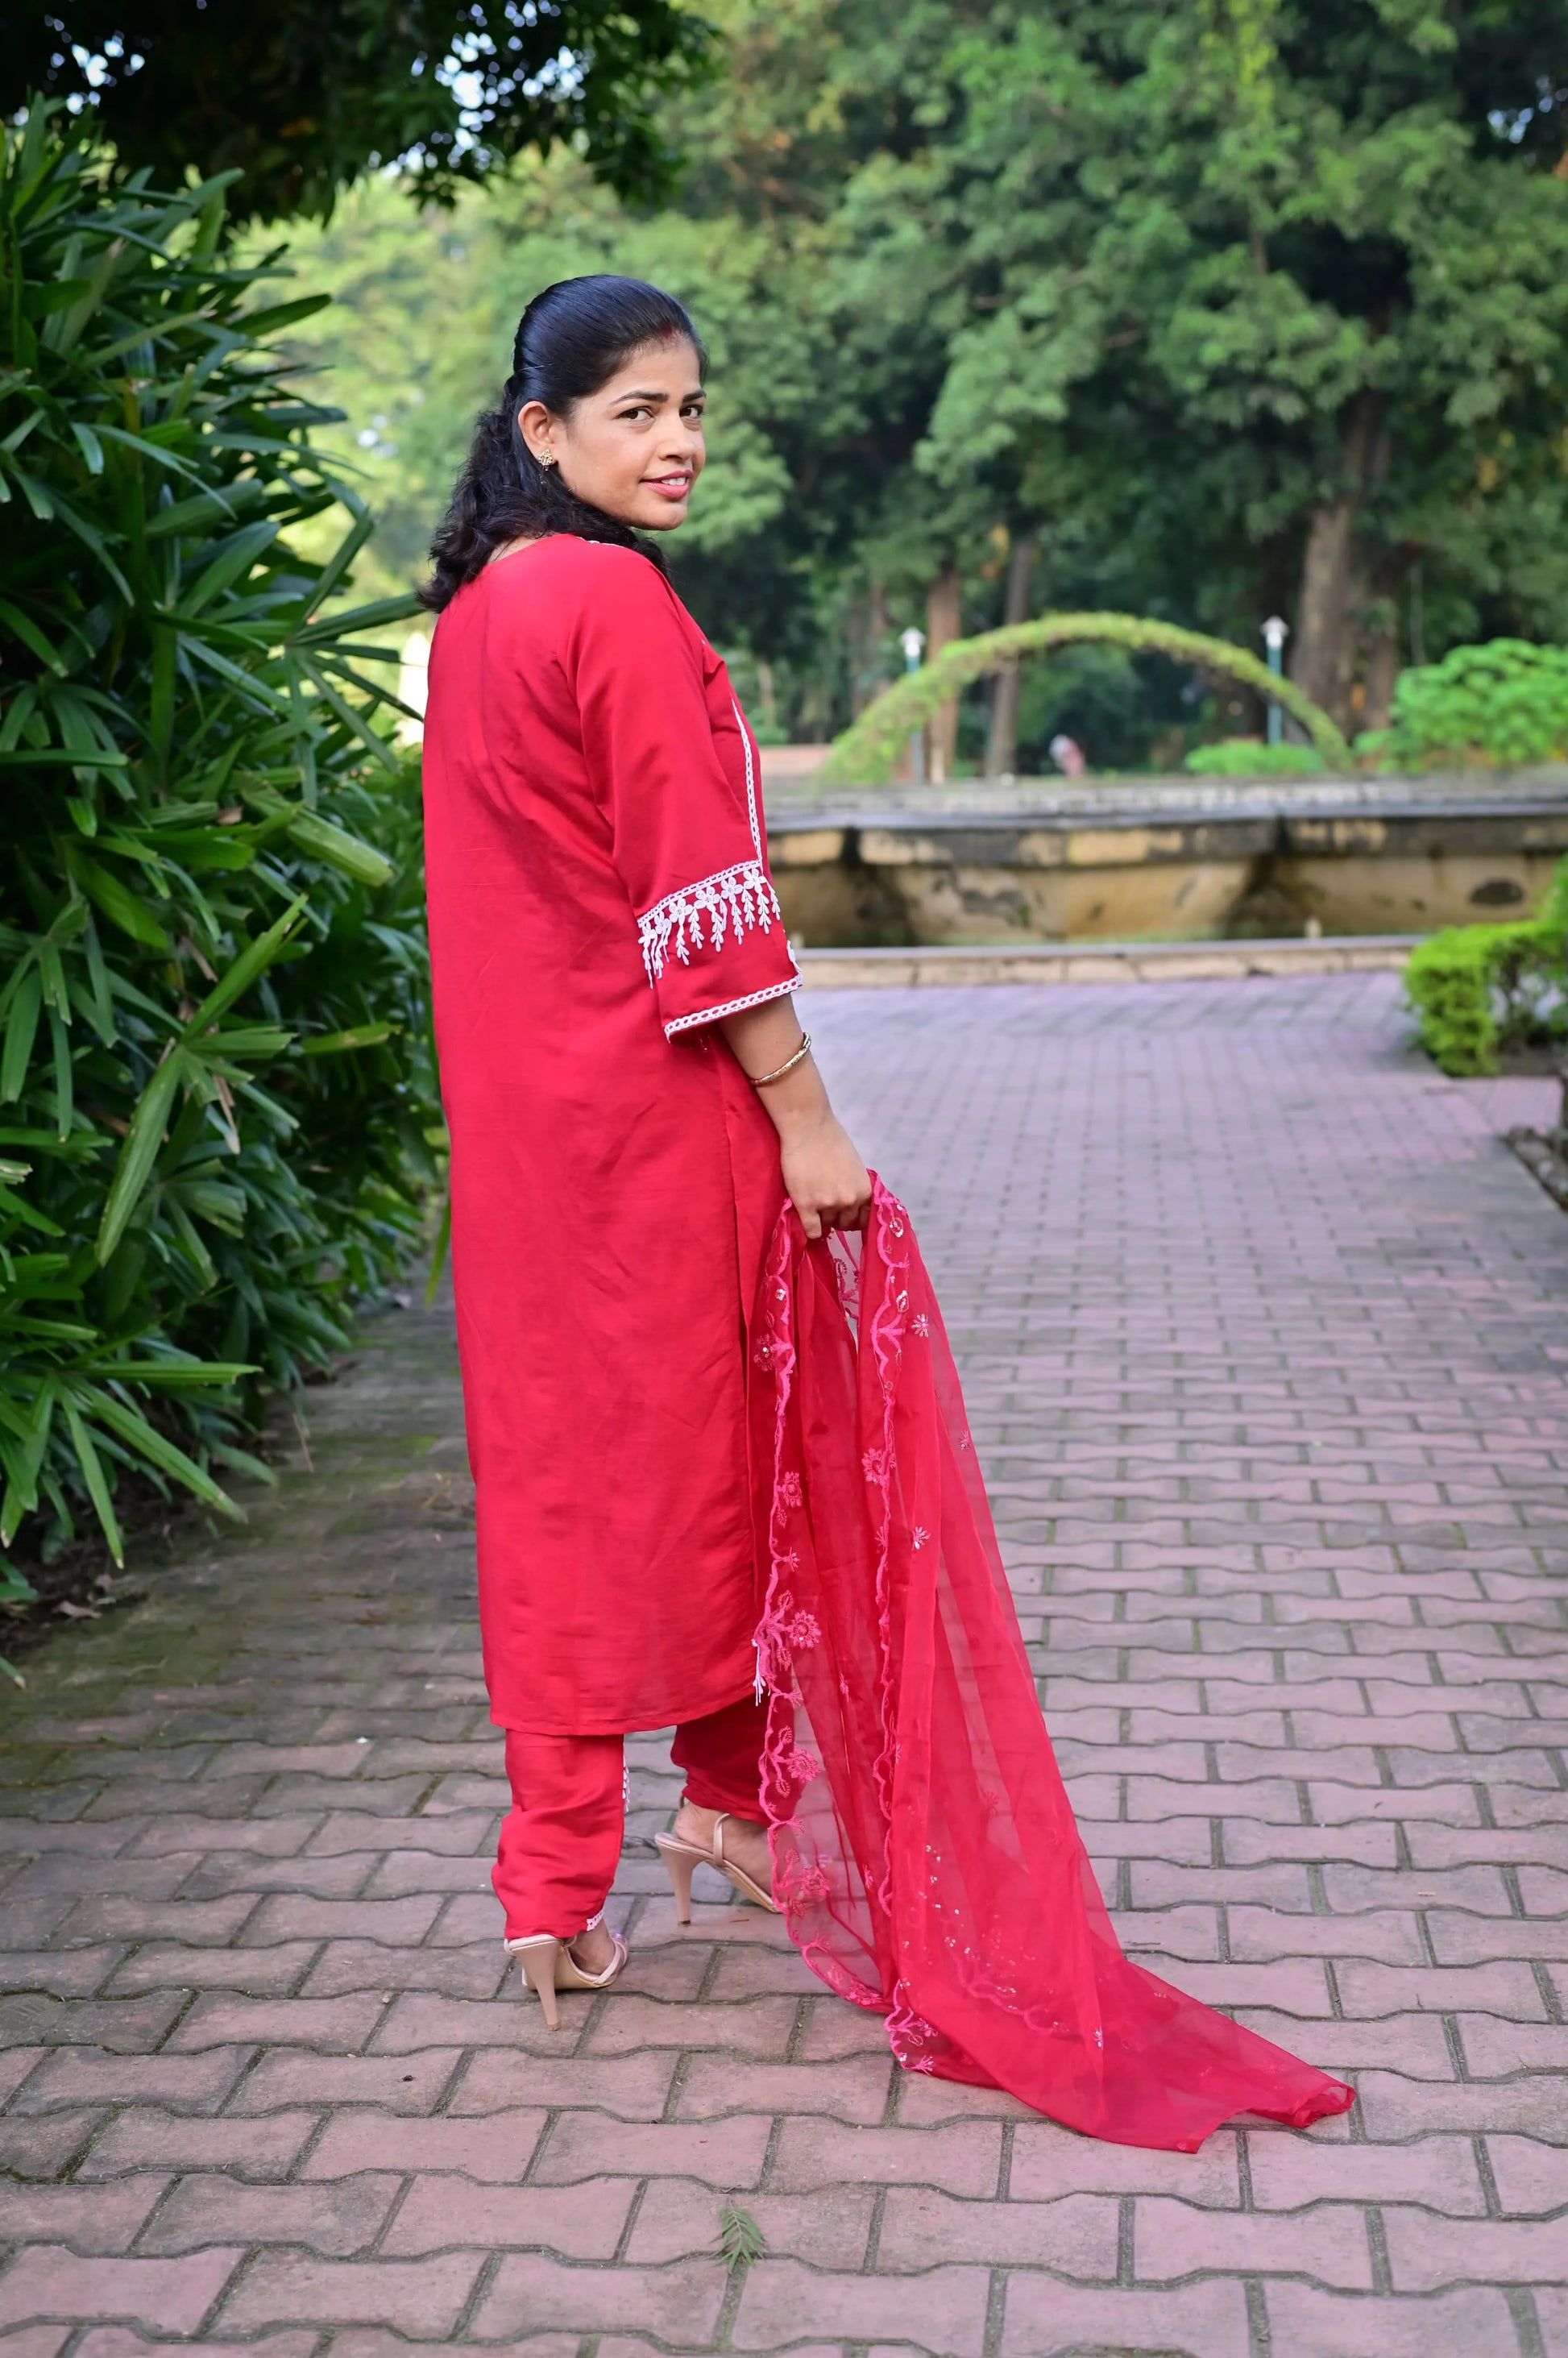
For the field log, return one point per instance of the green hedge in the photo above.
(1491, 706)
(1479, 989)
(215, 1077)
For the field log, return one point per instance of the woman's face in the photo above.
(634, 448)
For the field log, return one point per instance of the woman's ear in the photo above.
(535, 424)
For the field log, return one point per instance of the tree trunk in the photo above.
(1002, 743)
(1323, 659)
(944, 623)
(866, 678)
(1382, 670)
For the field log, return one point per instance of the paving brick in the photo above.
(496, 2149)
(677, 2219)
(631, 2087)
(88, 2219)
(964, 2158)
(1393, 2106)
(144, 2138)
(1530, 2176)
(131, 2026)
(81, 2075)
(44, 2280)
(1049, 2162)
(336, 2220)
(1424, 2255)
(1287, 2171)
(336, 2025)
(726, 2153)
(40, 2145)
(1044, 2318)
(1328, 2242)
(1308, 2323)
(404, 2084)
(679, 2305)
(343, 1965)
(943, 2310)
(415, 2296)
(854, 2089)
(170, 1964)
(1076, 2233)
(583, 2221)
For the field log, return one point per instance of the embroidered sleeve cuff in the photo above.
(722, 907)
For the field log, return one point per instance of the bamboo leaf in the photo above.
(157, 1451)
(91, 1467)
(139, 1152)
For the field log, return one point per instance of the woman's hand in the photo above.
(824, 1176)
(825, 1180)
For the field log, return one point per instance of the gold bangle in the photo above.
(760, 1080)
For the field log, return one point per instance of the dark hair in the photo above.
(571, 339)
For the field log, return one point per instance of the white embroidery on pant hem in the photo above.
(731, 900)
(730, 1006)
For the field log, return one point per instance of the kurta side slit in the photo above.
(598, 895)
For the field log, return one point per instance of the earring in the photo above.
(546, 458)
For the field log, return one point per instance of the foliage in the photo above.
(1479, 989)
(741, 2242)
(1504, 702)
(1169, 291)
(213, 1078)
(302, 99)
(868, 750)
(1244, 757)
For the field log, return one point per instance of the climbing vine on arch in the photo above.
(868, 752)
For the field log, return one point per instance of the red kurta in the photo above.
(599, 892)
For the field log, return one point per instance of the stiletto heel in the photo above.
(680, 1857)
(538, 1959)
(547, 1965)
(679, 1865)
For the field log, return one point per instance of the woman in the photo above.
(630, 1096)
(706, 1451)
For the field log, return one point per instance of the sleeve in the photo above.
(687, 841)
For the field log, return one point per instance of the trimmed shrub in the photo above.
(1243, 757)
(1489, 706)
(1481, 989)
(215, 1078)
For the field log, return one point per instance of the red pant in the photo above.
(561, 1839)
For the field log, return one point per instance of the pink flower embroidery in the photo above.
(919, 1535)
(789, 1489)
(802, 1766)
(804, 1630)
(921, 1324)
(871, 1465)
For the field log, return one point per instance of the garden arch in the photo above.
(869, 749)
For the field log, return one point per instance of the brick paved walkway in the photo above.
(1265, 1344)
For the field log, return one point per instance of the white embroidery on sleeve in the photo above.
(731, 899)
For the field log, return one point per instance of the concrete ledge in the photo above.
(1104, 962)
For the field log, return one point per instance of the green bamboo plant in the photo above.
(215, 1077)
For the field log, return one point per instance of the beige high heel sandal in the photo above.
(681, 1857)
(547, 1965)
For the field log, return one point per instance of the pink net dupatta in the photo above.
(926, 1855)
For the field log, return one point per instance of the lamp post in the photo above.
(1275, 633)
(913, 642)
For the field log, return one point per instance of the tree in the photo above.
(1295, 275)
(302, 99)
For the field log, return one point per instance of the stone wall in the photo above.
(1163, 860)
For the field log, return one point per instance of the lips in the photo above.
(669, 487)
